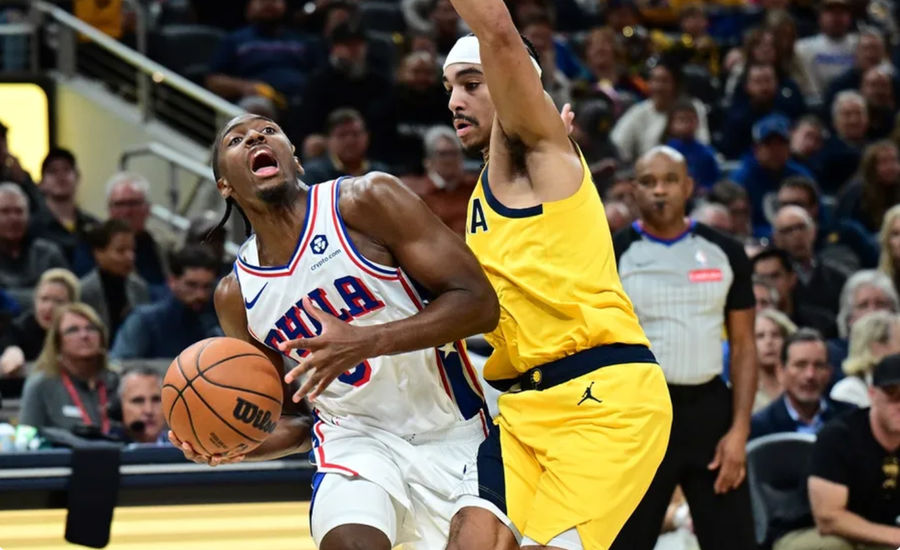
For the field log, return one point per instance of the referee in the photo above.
(688, 282)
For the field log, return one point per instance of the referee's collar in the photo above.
(639, 227)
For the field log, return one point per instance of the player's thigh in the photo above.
(609, 445)
(348, 513)
(478, 528)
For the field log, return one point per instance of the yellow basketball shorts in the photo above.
(578, 454)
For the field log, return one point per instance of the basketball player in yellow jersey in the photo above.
(585, 417)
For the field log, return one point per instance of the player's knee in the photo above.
(478, 529)
(355, 537)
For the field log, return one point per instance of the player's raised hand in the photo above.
(568, 117)
(338, 348)
(200, 458)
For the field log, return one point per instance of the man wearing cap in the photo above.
(854, 483)
(831, 52)
(763, 169)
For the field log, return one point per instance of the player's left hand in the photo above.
(731, 461)
(338, 348)
(568, 117)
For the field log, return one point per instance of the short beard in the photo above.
(279, 196)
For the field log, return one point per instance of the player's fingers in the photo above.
(304, 366)
(307, 386)
(320, 387)
(299, 343)
(173, 439)
(717, 459)
(315, 311)
(739, 478)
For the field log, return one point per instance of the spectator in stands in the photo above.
(775, 267)
(872, 337)
(437, 18)
(889, 238)
(841, 153)
(714, 215)
(420, 103)
(804, 373)
(657, 255)
(348, 146)
(266, 58)
(618, 215)
(23, 257)
(161, 330)
(538, 28)
(73, 385)
(57, 287)
(446, 186)
(608, 75)
(762, 93)
(762, 171)
(734, 197)
(870, 53)
(807, 140)
(866, 199)
(348, 81)
(818, 283)
(853, 484)
(204, 231)
(140, 399)
(642, 126)
(881, 102)
(112, 288)
(681, 134)
(767, 296)
(61, 221)
(864, 292)
(784, 27)
(113, 17)
(591, 128)
(11, 171)
(831, 52)
(758, 48)
(771, 331)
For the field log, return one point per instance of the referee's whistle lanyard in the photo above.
(76, 400)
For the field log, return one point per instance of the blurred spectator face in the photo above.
(740, 216)
(194, 287)
(851, 121)
(764, 299)
(868, 298)
(59, 180)
(471, 105)
(806, 373)
(797, 196)
(142, 403)
(835, 21)
(793, 233)
(806, 139)
(773, 153)
(79, 338)
(446, 161)
(600, 52)
(13, 217)
(893, 240)
(683, 124)
(769, 341)
(541, 37)
(662, 85)
(695, 24)
(886, 407)
(314, 146)
(887, 166)
(423, 43)
(870, 51)
(266, 11)
(349, 57)
(772, 272)
(663, 188)
(623, 190)
(418, 72)
(118, 256)
(764, 51)
(718, 218)
(349, 142)
(128, 203)
(618, 215)
(877, 88)
(49, 296)
(762, 84)
(444, 18)
(335, 16)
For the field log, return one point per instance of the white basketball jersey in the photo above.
(404, 394)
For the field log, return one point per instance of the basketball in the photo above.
(222, 395)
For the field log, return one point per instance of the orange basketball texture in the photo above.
(222, 395)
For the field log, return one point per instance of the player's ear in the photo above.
(300, 170)
(224, 187)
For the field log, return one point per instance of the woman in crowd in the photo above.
(889, 241)
(865, 291)
(56, 287)
(877, 188)
(772, 328)
(873, 336)
(73, 385)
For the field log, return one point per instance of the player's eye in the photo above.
(472, 86)
(234, 141)
(268, 130)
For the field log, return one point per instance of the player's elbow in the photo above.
(826, 522)
(488, 310)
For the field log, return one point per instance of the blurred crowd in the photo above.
(786, 112)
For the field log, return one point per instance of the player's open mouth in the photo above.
(462, 127)
(263, 163)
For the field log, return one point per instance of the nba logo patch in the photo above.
(319, 244)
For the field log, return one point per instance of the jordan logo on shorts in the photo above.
(588, 395)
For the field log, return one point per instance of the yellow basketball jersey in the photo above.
(554, 270)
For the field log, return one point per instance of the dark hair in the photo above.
(726, 192)
(536, 18)
(58, 153)
(3, 130)
(806, 184)
(681, 105)
(804, 334)
(769, 253)
(191, 256)
(100, 235)
(342, 116)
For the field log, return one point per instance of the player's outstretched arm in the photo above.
(384, 210)
(524, 109)
(291, 434)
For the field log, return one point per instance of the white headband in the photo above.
(466, 50)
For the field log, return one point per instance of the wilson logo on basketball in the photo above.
(249, 413)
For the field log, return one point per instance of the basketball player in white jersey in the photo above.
(327, 281)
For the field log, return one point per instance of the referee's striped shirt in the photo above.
(682, 289)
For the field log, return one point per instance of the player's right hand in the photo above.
(200, 458)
